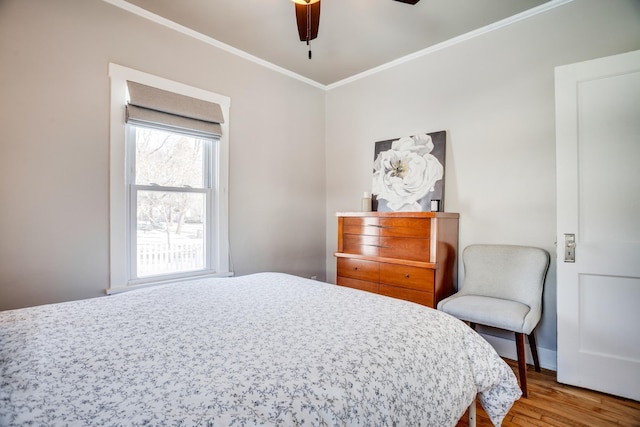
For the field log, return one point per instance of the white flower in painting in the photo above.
(406, 173)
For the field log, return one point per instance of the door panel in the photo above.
(614, 299)
(598, 189)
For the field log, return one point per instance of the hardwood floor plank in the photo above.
(525, 422)
(583, 415)
(557, 422)
(526, 412)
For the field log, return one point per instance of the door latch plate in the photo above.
(569, 248)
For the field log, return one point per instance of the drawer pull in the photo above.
(406, 275)
(379, 246)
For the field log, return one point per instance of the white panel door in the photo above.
(598, 189)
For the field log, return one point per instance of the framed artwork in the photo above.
(408, 173)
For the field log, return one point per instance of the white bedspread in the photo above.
(264, 349)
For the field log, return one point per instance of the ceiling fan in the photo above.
(308, 18)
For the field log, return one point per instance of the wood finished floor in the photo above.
(553, 404)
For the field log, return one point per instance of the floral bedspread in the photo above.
(265, 349)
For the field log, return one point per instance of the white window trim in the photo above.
(118, 204)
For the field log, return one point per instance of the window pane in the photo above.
(170, 232)
(168, 159)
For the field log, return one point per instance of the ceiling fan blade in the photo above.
(301, 18)
(409, 1)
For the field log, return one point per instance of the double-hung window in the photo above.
(170, 190)
(168, 212)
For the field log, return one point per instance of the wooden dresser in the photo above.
(407, 255)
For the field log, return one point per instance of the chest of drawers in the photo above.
(407, 255)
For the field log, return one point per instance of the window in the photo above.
(170, 201)
(169, 174)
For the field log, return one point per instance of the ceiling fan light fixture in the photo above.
(307, 19)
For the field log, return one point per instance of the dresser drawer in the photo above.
(421, 297)
(364, 225)
(407, 276)
(405, 227)
(360, 244)
(359, 269)
(405, 248)
(358, 284)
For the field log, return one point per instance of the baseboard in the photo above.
(507, 348)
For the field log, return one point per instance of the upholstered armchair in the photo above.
(503, 289)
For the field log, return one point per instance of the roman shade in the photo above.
(150, 106)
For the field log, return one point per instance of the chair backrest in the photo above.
(509, 272)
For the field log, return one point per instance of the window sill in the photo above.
(120, 289)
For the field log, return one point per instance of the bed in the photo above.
(265, 349)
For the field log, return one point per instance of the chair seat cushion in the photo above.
(489, 311)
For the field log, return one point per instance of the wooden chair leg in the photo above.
(534, 351)
(522, 363)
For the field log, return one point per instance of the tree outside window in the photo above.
(170, 190)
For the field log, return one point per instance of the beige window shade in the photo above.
(157, 107)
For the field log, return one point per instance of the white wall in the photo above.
(54, 147)
(495, 96)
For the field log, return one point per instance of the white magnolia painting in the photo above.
(408, 173)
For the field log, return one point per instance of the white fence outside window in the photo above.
(160, 258)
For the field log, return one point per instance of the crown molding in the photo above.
(122, 4)
(454, 41)
(136, 10)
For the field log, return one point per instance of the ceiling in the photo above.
(354, 35)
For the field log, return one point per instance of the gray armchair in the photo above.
(503, 288)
